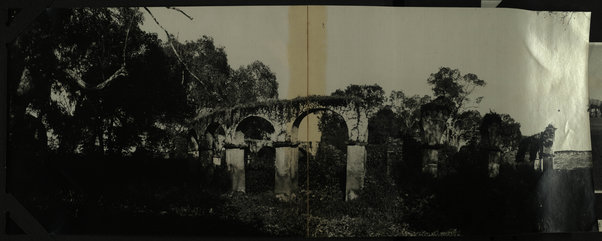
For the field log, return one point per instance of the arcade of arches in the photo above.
(224, 135)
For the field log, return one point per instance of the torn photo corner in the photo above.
(315, 121)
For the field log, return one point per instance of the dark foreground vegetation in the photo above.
(144, 196)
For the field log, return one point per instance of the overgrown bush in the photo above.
(266, 213)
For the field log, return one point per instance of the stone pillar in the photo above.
(430, 160)
(492, 142)
(294, 155)
(356, 171)
(394, 157)
(433, 119)
(217, 160)
(283, 180)
(547, 151)
(235, 161)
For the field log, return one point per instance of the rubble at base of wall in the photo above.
(569, 160)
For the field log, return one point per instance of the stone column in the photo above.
(235, 161)
(492, 142)
(394, 157)
(430, 160)
(547, 151)
(356, 170)
(294, 167)
(494, 158)
(286, 178)
(433, 119)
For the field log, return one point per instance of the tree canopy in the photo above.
(452, 84)
(101, 84)
(372, 96)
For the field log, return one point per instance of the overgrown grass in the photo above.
(266, 213)
(96, 191)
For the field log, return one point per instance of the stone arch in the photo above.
(193, 143)
(285, 117)
(294, 128)
(333, 157)
(236, 135)
(235, 148)
(193, 134)
(215, 135)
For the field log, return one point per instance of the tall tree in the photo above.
(372, 96)
(451, 84)
(203, 68)
(254, 82)
(467, 126)
(408, 110)
(95, 78)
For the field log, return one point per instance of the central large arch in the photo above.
(214, 140)
(246, 138)
(325, 162)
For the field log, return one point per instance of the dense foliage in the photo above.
(98, 115)
(463, 199)
(99, 84)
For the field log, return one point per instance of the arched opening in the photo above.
(214, 137)
(255, 128)
(259, 176)
(192, 144)
(259, 159)
(322, 161)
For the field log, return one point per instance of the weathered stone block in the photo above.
(294, 153)
(569, 160)
(430, 161)
(235, 161)
(283, 181)
(356, 170)
(217, 161)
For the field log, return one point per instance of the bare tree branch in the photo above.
(181, 11)
(127, 34)
(121, 72)
(174, 48)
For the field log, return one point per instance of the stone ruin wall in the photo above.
(571, 160)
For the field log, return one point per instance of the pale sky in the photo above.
(595, 72)
(247, 33)
(535, 64)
